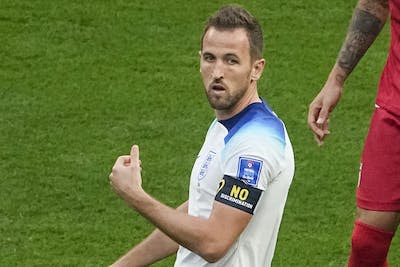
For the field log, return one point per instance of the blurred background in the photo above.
(81, 81)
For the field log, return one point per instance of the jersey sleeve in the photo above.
(255, 161)
(250, 162)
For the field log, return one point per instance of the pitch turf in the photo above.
(80, 81)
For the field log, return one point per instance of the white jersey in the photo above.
(246, 162)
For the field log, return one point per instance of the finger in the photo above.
(118, 163)
(313, 114)
(325, 128)
(323, 116)
(316, 130)
(320, 141)
(127, 161)
(135, 155)
(122, 159)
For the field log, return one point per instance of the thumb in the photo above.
(323, 115)
(135, 155)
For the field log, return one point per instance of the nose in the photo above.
(217, 71)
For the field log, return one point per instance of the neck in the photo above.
(246, 100)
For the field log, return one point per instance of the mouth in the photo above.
(217, 88)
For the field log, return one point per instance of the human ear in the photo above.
(257, 69)
(200, 59)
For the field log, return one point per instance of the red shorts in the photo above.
(379, 182)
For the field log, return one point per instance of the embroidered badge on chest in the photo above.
(249, 170)
(206, 164)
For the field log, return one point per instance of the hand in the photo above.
(125, 177)
(320, 109)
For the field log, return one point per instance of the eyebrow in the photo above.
(206, 53)
(225, 55)
(231, 55)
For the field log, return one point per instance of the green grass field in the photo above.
(80, 81)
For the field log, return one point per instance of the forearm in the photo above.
(210, 238)
(180, 227)
(155, 247)
(367, 21)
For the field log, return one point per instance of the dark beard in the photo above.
(223, 103)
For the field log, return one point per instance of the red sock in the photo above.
(369, 246)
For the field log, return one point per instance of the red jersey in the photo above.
(389, 85)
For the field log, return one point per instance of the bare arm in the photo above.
(210, 238)
(155, 247)
(368, 19)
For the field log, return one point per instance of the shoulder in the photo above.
(259, 125)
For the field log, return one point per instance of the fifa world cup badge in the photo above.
(249, 170)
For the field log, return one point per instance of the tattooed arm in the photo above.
(368, 19)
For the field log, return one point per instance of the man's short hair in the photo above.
(231, 17)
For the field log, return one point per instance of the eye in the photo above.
(232, 61)
(208, 57)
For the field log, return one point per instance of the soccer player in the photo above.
(378, 191)
(241, 177)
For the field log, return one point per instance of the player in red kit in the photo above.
(378, 191)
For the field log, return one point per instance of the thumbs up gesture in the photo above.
(125, 177)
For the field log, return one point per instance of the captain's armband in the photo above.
(236, 193)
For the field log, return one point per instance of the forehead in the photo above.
(226, 41)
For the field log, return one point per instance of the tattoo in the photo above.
(374, 5)
(363, 30)
(340, 78)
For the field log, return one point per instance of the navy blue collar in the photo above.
(231, 122)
